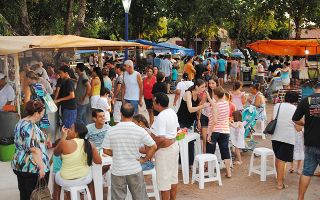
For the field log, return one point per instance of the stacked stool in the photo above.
(213, 164)
(263, 169)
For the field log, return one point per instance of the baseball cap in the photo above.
(2, 76)
(129, 63)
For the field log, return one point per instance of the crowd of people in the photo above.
(113, 94)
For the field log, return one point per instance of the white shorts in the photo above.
(116, 111)
(94, 100)
(286, 81)
(75, 182)
(167, 164)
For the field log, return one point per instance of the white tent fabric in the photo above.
(16, 44)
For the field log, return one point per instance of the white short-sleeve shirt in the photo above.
(6, 94)
(166, 124)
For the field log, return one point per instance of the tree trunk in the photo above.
(218, 43)
(298, 28)
(254, 56)
(81, 17)
(26, 27)
(7, 26)
(68, 17)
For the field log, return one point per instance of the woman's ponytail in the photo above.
(82, 131)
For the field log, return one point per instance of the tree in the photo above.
(302, 12)
(80, 24)
(68, 17)
(249, 21)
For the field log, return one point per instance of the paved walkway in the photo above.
(239, 187)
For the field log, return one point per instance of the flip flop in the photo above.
(283, 187)
(291, 171)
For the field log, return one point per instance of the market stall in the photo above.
(15, 46)
(302, 48)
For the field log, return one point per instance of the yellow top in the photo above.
(96, 88)
(74, 165)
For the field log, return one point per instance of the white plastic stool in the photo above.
(212, 164)
(154, 186)
(259, 132)
(75, 192)
(263, 169)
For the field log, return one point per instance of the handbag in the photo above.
(51, 107)
(272, 124)
(41, 192)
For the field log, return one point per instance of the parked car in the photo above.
(239, 54)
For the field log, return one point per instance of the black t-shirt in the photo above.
(273, 67)
(67, 86)
(309, 107)
(159, 87)
(200, 69)
(112, 73)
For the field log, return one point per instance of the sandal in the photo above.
(291, 171)
(282, 187)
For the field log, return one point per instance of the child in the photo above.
(238, 97)
(141, 121)
(103, 103)
(298, 153)
(57, 162)
(174, 77)
(232, 106)
(237, 134)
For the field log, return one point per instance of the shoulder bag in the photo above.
(272, 124)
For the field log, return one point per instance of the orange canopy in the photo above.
(286, 47)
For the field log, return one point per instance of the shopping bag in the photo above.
(41, 192)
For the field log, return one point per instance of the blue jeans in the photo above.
(311, 160)
(135, 104)
(68, 117)
(82, 113)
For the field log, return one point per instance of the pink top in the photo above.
(222, 125)
(237, 100)
(295, 65)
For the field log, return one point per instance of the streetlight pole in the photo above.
(126, 6)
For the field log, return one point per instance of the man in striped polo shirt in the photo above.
(122, 142)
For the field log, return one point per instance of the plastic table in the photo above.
(184, 156)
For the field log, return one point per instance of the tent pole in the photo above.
(100, 57)
(17, 82)
(6, 67)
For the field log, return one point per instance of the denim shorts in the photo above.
(147, 165)
(135, 104)
(311, 160)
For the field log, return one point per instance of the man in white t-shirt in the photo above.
(7, 94)
(122, 143)
(164, 131)
(182, 86)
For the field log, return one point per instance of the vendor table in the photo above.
(8, 121)
(184, 149)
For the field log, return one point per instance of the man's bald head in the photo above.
(127, 110)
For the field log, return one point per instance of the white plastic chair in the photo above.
(263, 169)
(208, 176)
(154, 186)
(75, 192)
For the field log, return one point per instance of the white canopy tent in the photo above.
(13, 45)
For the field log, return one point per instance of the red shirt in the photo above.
(147, 87)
